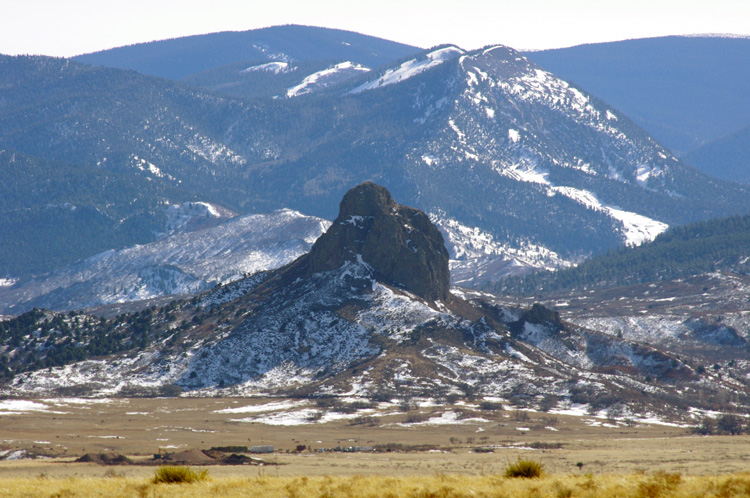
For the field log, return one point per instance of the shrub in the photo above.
(524, 468)
(729, 423)
(416, 418)
(365, 420)
(548, 403)
(490, 405)
(660, 484)
(178, 474)
(707, 427)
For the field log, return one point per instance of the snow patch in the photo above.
(8, 282)
(326, 77)
(268, 407)
(274, 67)
(637, 228)
(144, 165)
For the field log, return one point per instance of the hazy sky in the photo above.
(71, 27)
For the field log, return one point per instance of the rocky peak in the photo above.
(398, 242)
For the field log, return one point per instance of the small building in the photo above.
(266, 448)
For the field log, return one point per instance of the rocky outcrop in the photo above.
(398, 242)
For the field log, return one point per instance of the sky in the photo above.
(72, 27)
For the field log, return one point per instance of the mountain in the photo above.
(183, 57)
(365, 313)
(684, 251)
(519, 168)
(193, 258)
(686, 91)
(725, 158)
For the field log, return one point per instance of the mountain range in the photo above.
(519, 168)
(367, 312)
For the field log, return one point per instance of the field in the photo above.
(434, 486)
(420, 449)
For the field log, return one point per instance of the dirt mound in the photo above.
(106, 459)
(191, 457)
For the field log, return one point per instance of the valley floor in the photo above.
(425, 440)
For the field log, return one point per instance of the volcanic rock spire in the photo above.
(398, 242)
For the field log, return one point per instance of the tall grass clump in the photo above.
(524, 468)
(178, 474)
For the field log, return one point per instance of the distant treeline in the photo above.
(680, 251)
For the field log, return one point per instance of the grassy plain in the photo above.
(432, 486)
(582, 456)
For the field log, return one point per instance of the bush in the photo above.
(707, 427)
(524, 468)
(490, 405)
(416, 418)
(729, 423)
(230, 449)
(660, 484)
(178, 474)
(365, 420)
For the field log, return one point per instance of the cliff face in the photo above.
(398, 242)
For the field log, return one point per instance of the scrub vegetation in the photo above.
(640, 485)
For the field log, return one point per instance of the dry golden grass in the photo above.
(434, 486)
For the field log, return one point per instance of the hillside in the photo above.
(725, 158)
(53, 213)
(703, 247)
(685, 91)
(204, 248)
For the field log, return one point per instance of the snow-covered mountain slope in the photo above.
(411, 68)
(477, 258)
(325, 78)
(352, 328)
(182, 263)
(190, 216)
(686, 91)
(532, 128)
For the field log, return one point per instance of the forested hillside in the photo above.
(681, 251)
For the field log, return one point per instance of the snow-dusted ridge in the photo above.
(275, 67)
(411, 68)
(326, 77)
